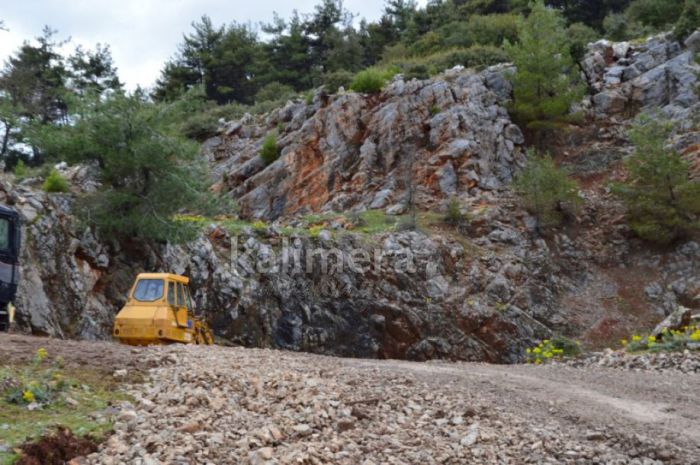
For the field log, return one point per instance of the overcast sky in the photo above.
(141, 33)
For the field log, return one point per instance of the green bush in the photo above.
(669, 340)
(274, 91)
(454, 216)
(548, 349)
(54, 182)
(494, 29)
(546, 190)
(337, 79)
(580, 36)
(270, 151)
(21, 170)
(477, 56)
(655, 13)
(663, 203)
(369, 81)
(689, 21)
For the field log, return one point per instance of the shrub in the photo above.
(663, 203)
(546, 190)
(369, 81)
(38, 382)
(580, 36)
(454, 216)
(548, 349)
(494, 29)
(274, 91)
(669, 340)
(689, 20)
(21, 170)
(546, 82)
(655, 13)
(473, 57)
(337, 79)
(270, 151)
(55, 182)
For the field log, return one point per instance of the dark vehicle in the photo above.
(10, 239)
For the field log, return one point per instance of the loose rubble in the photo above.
(686, 362)
(224, 405)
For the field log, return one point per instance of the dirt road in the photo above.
(233, 405)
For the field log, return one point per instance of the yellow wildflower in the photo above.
(636, 338)
(28, 396)
(41, 353)
(623, 342)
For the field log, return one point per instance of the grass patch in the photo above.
(83, 394)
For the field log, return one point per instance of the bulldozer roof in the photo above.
(173, 277)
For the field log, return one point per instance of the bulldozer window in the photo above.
(148, 290)
(180, 296)
(188, 298)
(171, 293)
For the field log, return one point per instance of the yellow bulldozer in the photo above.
(160, 311)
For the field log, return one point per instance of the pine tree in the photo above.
(546, 190)
(545, 84)
(663, 202)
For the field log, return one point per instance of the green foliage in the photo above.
(146, 167)
(655, 13)
(494, 29)
(454, 216)
(548, 349)
(663, 203)
(473, 57)
(580, 36)
(689, 20)
(36, 383)
(545, 190)
(546, 82)
(38, 84)
(369, 81)
(669, 340)
(270, 151)
(273, 92)
(337, 79)
(55, 182)
(21, 170)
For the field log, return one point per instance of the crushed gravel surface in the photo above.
(219, 405)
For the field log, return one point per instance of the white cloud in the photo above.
(141, 33)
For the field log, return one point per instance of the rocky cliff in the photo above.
(481, 292)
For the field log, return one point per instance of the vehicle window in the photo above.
(148, 290)
(180, 296)
(4, 234)
(188, 298)
(171, 293)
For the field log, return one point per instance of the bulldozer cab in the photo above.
(159, 310)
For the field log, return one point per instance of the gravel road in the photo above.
(233, 405)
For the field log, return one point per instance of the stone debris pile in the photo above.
(224, 405)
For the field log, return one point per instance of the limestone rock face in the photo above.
(628, 77)
(444, 137)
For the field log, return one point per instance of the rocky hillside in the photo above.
(352, 170)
